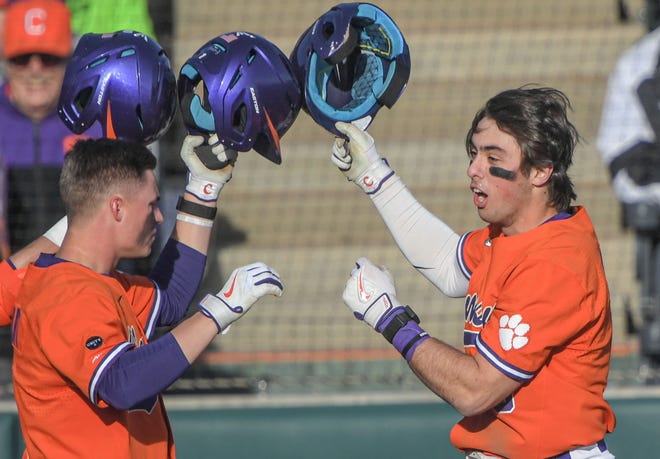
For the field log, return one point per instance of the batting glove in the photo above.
(203, 182)
(358, 159)
(244, 287)
(370, 292)
(371, 295)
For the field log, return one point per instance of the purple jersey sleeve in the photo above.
(178, 274)
(138, 375)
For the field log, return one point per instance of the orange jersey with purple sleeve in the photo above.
(10, 283)
(70, 325)
(538, 309)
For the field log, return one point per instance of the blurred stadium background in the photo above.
(304, 219)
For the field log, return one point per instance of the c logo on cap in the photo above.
(35, 21)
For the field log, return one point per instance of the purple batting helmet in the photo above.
(249, 94)
(122, 80)
(351, 61)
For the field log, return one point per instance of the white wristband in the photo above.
(195, 220)
(373, 178)
(204, 190)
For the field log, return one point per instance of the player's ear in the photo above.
(117, 207)
(541, 175)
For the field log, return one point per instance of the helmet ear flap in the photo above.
(194, 114)
(398, 82)
(193, 111)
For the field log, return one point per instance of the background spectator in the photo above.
(33, 140)
(100, 16)
(628, 141)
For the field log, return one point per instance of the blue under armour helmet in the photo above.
(351, 61)
(122, 80)
(242, 87)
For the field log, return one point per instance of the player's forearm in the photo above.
(194, 334)
(425, 240)
(193, 226)
(468, 383)
(29, 253)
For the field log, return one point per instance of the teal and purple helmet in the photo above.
(351, 61)
(241, 87)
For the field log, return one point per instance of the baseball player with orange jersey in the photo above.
(87, 375)
(538, 326)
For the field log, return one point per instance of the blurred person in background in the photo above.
(103, 16)
(3, 9)
(4, 235)
(628, 141)
(37, 42)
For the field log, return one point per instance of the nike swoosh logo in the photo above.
(230, 292)
(364, 296)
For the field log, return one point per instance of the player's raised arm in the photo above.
(197, 207)
(426, 241)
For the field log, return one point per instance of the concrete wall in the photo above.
(297, 427)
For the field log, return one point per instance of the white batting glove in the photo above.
(358, 159)
(203, 182)
(244, 287)
(370, 292)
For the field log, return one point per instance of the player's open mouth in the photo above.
(480, 198)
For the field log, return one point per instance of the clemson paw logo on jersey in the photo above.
(513, 332)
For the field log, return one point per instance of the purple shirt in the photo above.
(31, 157)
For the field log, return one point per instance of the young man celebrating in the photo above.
(538, 326)
(87, 378)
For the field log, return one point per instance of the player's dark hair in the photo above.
(537, 118)
(99, 166)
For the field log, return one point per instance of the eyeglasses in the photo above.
(47, 60)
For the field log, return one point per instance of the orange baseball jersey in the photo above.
(538, 309)
(70, 325)
(10, 283)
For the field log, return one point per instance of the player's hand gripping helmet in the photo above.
(249, 94)
(351, 62)
(122, 80)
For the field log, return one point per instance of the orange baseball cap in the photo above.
(37, 26)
